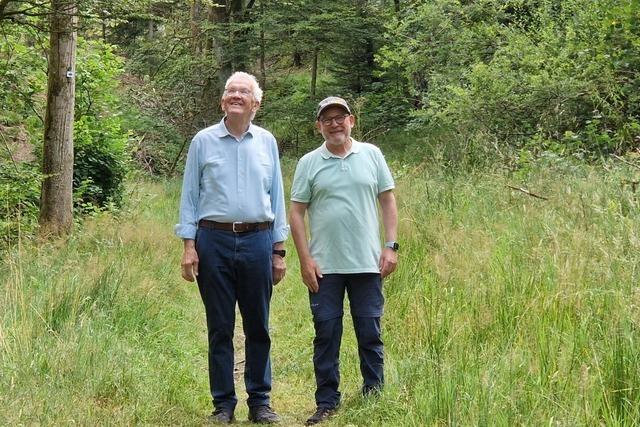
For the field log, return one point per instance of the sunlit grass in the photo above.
(505, 310)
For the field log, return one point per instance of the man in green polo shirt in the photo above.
(340, 185)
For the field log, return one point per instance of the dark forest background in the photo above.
(471, 84)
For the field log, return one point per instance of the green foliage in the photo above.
(101, 161)
(20, 194)
(23, 80)
(541, 75)
(289, 113)
(100, 142)
(101, 151)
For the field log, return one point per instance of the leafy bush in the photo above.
(289, 113)
(101, 161)
(100, 140)
(505, 76)
(101, 152)
(19, 193)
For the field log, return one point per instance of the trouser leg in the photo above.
(255, 284)
(217, 289)
(367, 306)
(326, 362)
(326, 307)
(371, 352)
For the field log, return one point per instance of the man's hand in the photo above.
(279, 268)
(189, 262)
(310, 274)
(388, 262)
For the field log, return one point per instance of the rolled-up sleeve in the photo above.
(190, 198)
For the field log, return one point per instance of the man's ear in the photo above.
(318, 124)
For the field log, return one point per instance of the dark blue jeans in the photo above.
(366, 301)
(236, 268)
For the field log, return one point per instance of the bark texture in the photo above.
(56, 204)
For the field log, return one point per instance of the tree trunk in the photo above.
(314, 72)
(221, 18)
(3, 5)
(214, 46)
(297, 59)
(263, 68)
(56, 204)
(151, 32)
(196, 12)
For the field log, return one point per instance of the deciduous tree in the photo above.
(56, 205)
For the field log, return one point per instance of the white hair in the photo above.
(255, 87)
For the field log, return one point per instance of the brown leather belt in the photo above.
(236, 227)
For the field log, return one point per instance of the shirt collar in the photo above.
(221, 130)
(326, 154)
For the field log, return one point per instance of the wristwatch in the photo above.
(280, 252)
(392, 245)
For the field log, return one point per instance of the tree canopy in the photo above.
(485, 81)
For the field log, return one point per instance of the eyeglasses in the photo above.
(338, 119)
(241, 92)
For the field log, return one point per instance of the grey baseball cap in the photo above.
(332, 101)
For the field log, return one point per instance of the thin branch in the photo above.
(625, 161)
(27, 11)
(168, 56)
(527, 192)
(6, 144)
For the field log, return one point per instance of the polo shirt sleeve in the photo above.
(385, 179)
(301, 186)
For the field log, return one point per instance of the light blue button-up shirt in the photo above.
(228, 180)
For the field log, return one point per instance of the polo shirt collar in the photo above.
(326, 154)
(221, 130)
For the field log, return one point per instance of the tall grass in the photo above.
(505, 310)
(100, 328)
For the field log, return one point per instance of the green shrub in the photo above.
(100, 139)
(505, 76)
(100, 161)
(20, 194)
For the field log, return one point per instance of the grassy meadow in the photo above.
(505, 310)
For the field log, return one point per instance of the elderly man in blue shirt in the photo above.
(233, 224)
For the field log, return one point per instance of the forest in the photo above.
(512, 129)
(476, 84)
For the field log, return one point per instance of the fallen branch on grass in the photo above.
(624, 161)
(527, 192)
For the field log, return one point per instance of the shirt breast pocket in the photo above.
(213, 175)
(265, 169)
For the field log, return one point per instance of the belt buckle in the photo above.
(233, 226)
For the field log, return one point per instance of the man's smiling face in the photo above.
(335, 125)
(238, 99)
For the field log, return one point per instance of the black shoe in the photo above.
(371, 391)
(320, 415)
(263, 415)
(221, 416)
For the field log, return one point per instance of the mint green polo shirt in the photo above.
(342, 196)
